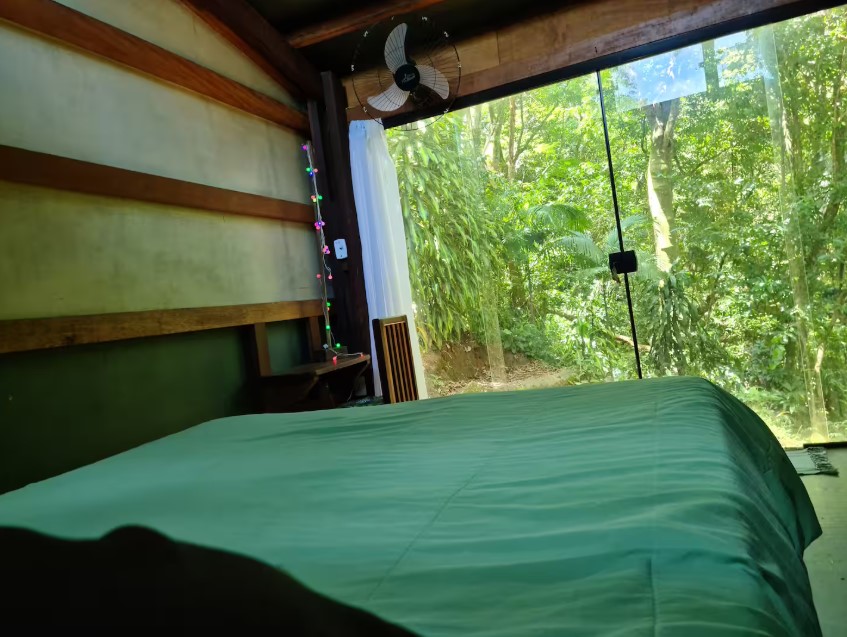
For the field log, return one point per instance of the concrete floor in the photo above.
(826, 558)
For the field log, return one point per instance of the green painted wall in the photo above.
(64, 408)
(67, 254)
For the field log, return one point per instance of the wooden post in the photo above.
(262, 353)
(331, 146)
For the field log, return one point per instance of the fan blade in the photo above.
(395, 48)
(389, 100)
(434, 79)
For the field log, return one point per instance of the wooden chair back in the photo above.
(394, 357)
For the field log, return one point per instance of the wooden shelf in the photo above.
(312, 386)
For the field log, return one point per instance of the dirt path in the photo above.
(526, 375)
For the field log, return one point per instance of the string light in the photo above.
(324, 250)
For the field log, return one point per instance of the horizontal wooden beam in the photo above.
(579, 33)
(581, 37)
(243, 26)
(355, 21)
(75, 29)
(33, 334)
(51, 171)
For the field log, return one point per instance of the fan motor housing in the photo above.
(407, 77)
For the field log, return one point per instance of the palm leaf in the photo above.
(627, 223)
(583, 245)
(558, 217)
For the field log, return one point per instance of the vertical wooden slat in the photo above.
(407, 360)
(409, 367)
(389, 377)
(394, 352)
(398, 373)
(392, 348)
(401, 368)
(398, 362)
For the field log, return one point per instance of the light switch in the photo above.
(340, 249)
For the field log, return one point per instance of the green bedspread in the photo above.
(659, 507)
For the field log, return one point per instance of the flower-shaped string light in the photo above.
(323, 249)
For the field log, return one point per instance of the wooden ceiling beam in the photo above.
(581, 37)
(356, 21)
(244, 27)
(72, 28)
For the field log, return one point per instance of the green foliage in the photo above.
(680, 342)
(448, 232)
(529, 339)
(509, 221)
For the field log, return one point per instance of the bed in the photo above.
(656, 507)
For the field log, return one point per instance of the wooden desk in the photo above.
(312, 386)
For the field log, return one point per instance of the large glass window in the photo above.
(729, 160)
(509, 222)
(734, 149)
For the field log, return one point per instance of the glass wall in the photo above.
(509, 222)
(729, 159)
(734, 150)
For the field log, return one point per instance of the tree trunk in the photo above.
(497, 114)
(810, 355)
(662, 118)
(512, 159)
(517, 286)
(791, 164)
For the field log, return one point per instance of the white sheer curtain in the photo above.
(383, 238)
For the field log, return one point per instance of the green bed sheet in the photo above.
(656, 508)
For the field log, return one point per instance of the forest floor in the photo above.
(466, 371)
(521, 373)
